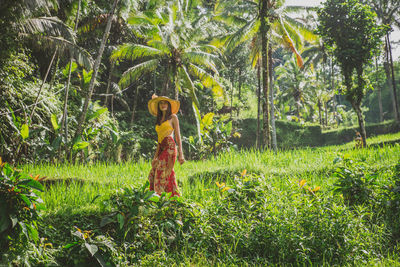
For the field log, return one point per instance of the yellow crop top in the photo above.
(163, 130)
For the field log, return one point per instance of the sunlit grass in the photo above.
(84, 186)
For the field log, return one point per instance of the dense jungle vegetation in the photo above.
(289, 117)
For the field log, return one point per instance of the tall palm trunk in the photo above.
(41, 86)
(239, 89)
(95, 71)
(264, 28)
(379, 91)
(396, 103)
(64, 119)
(271, 92)
(109, 83)
(388, 64)
(334, 95)
(258, 104)
(135, 104)
(320, 112)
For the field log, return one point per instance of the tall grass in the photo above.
(85, 183)
(271, 211)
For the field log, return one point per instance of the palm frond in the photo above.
(50, 26)
(81, 56)
(136, 71)
(45, 5)
(288, 42)
(242, 34)
(201, 58)
(230, 19)
(189, 84)
(207, 80)
(135, 51)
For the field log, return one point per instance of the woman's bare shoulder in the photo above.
(174, 117)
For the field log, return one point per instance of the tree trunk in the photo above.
(326, 113)
(336, 117)
(231, 80)
(109, 83)
(239, 88)
(41, 86)
(64, 120)
(379, 90)
(320, 113)
(396, 103)
(258, 104)
(95, 71)
(271, 93)
(389, 77)
(134, 104)
(264, 28)
(361, 123)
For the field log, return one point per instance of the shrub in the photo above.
(354, 181)
(18, 205)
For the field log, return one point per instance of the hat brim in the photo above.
(153, 105)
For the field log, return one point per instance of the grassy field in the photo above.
(283, 210)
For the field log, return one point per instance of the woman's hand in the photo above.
(181, 159)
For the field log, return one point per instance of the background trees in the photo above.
(222, 56)
(349, 28)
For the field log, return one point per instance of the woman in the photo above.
(162, 174)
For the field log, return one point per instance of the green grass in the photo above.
(82, 189)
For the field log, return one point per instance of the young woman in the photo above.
(162, 174)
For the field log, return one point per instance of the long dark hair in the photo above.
(159, 113)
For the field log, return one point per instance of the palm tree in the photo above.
(388, 12)
(95, 71)
(173, 45)
(291, 80)
(261, 21)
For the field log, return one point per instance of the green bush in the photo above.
(18, 206)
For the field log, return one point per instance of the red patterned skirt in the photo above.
(162, 175)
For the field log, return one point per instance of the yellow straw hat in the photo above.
(153, 104)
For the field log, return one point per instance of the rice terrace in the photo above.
(199, 133)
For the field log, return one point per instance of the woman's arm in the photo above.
(175, 125)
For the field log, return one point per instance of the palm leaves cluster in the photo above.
(181, 48)
(172, 45)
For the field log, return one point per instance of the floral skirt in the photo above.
(162, 175)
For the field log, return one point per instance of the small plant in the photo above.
(18, 204)
(97, 246)
(216, 137)
(354, 181)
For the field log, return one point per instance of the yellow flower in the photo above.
(225, 189)
(316, 188)
(220, 185)
(302, 182)
(243, 173)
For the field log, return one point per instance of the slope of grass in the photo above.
(263, 217)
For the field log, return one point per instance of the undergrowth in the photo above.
(330, 205)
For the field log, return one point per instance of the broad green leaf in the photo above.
(80, 145)
(228, 128)
(32, 232)
(96, 114)
(70, 245)
(92, 248)
(121, 220)
(207, 120)
(25, 131)
(54, 122)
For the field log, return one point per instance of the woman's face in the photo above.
(163, 105)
